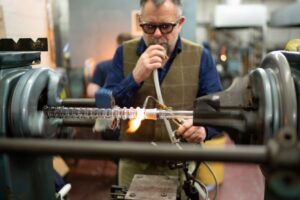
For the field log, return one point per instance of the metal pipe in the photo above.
(142, 151)
(78, 122)
(79, 102)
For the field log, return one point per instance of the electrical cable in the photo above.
(169, 129)
(202, 185)
(161, 101)
(214, 177)
(168, 126)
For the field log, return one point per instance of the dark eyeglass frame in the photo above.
(162, 27)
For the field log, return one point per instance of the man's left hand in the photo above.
(192, 134)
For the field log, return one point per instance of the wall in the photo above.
(26, 21)
(95, 24)
(60, 25)
(2, 24)
(190, 12)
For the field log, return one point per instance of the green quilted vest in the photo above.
(179, 89)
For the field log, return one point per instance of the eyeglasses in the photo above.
(165, 28)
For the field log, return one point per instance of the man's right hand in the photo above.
(153, 58)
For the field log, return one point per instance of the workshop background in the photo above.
(81, 30)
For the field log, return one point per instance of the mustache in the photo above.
(160, 42)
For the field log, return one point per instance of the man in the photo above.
(100, 72)
(98, 78)
(182, 80)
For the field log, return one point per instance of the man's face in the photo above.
(164, 14)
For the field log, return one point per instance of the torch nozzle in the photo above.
(168, 114)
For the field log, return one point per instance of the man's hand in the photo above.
(190, 133)
(153, 58)
(91, 90)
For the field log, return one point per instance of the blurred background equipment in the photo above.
(288, 16)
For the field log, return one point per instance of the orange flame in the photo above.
(134, 124)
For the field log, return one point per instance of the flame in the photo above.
(134, 124)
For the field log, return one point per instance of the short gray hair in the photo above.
(157, 3)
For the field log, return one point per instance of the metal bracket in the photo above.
(24, 44)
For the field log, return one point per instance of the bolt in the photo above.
(132, 194)
(163, 194)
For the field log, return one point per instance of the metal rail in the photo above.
(142, 151)
(79, 122)
(79, 102)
